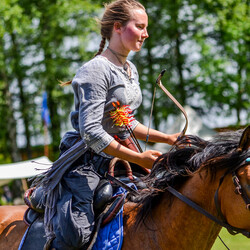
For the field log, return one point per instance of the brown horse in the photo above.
(162, 221)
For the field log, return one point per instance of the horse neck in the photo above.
(177, 226)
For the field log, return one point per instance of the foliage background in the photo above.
(204, 45)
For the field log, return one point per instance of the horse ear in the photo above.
(244, 140)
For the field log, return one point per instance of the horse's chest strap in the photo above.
(121, 184)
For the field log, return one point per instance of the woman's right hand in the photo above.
(147, 158)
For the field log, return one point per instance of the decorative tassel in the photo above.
(121, 115)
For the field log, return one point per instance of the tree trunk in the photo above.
(11, 123)
(50, 83)
(178, 56)
(23, 100)
(179, 65)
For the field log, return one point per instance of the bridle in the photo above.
(239, 190)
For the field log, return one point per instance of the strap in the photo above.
(216, 200)
(122, 184)
(204, 212)
(240, 190)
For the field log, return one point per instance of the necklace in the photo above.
(124, 65)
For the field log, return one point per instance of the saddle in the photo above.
(106, 206)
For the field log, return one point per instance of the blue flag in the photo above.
(45, 110)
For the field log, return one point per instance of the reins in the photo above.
(231, 229)
(120, 183)
(207, 214)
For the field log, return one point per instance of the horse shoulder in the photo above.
(129, 213)
(131, 236)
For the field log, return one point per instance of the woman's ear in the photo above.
(117, 27)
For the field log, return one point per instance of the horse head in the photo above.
(237, 188)
(205, 170)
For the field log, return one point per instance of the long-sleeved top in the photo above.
(98, 84)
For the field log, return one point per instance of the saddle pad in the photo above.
(111, 235)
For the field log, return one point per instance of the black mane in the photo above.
(190, 155)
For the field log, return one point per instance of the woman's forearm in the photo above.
(145, 159)
(117, 150)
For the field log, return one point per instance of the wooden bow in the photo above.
(158, 81)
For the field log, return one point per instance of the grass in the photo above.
(233, 242)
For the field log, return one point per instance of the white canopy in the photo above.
(23, 169)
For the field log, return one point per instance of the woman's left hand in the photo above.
(141, 133)
(172, 138)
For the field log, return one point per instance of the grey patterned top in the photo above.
(96, 85)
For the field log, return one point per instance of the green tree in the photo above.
(62, 33)
(171, 29)
(41, 43)
(224, 43)
(204, 47)
(12, 26)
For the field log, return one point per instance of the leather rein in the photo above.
(238, 189)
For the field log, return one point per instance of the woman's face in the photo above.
(135, 31)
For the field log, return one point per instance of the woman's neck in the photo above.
(116, 57)
(119, 57)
